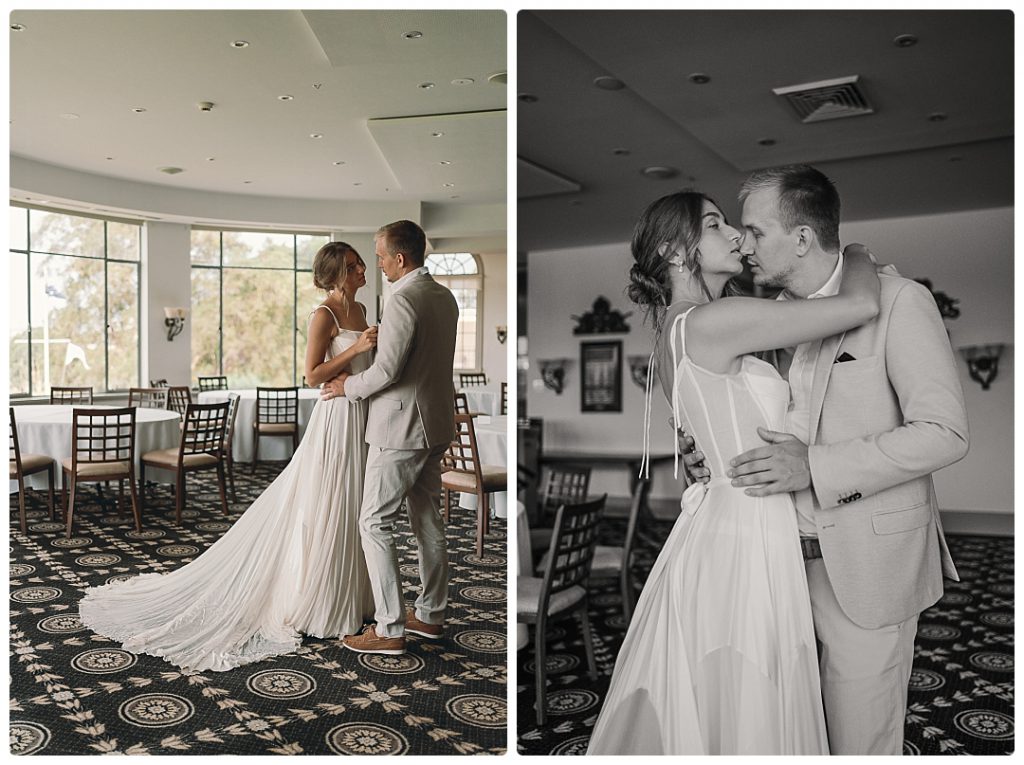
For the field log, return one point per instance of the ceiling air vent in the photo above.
(827, 100)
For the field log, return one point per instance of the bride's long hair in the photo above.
(674, 220)
(329, 268)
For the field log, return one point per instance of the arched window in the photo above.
(460, 272)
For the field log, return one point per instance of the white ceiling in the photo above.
(574, 190)
(354, 78)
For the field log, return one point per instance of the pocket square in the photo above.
(844, 357)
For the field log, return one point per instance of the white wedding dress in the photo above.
(720, 655)
(291, 565)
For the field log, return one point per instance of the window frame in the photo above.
(478, 352)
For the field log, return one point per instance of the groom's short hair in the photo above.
(806, 198)
(405, 237)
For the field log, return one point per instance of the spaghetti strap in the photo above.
(336, 324)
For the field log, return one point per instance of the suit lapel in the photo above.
(822, 371)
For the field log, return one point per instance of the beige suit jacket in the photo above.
(881, 424)
(409, 384)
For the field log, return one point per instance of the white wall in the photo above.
(967, 255)
(495, 313)
(166, 282)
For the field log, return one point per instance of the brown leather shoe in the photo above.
(416, 627)
(368, 641)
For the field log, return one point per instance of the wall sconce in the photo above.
(982, 362)
(502, 333)
(552, 372)
(638, 369)
(174, 321)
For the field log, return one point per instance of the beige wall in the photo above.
(967, 255)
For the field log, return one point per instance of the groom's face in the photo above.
(767, 246)
(389, 264)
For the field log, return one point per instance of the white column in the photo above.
(166, 282)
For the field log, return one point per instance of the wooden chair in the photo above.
(22, 465)
(148, 398)
(565, 483)
(462, 472)
(102, 449)
(562, 590)
(76, 396)
(229, 440)
(461, 404)
(467, 379)
(213, 382)
(178, 398)
(201, 448)
(161, 383)
(504, 398)
(277, 414)
(615, 561)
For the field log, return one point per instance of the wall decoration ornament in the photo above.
(638, 369)
(601, 319)
(947, 305)
(982, 362)
(552, 372)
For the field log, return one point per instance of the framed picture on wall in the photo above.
(601, 376)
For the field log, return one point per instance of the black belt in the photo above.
(811, 548)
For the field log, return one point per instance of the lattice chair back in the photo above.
(178, 398)
(76, 396)
(277, 405)
(467, 379)
(148, 398)
(102, 435)
(204, 429)
(15, 450)
(462, 455)
(461, 404)
(229, 429)
(161, 383)
(572, 546)
(565, 484)
(213, 382)
(504, 398)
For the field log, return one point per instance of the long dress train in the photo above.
(720, 655)
(291, 565)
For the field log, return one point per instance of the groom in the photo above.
(409, 428)
(874, 412)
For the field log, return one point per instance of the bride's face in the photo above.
(719, 243)
(354, 275)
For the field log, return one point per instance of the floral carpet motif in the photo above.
(74, 692)
(961, 687)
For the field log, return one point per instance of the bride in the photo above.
(720, 655)
(293, 563)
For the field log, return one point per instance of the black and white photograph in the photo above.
(794, 534)
(257, 259)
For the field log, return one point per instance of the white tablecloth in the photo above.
(492, 441)
(272, 448)
(483, 399)
(46, 429)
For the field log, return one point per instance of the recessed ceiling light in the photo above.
(528, 98)
(699, 78)
(608, 83)
(660, 172)
(109, 158)
(620, 152)
(463, 81)
(498, 78)
(69, 116)
(413, 35)
(956, 158)
(338, 162)
(766, 141)
(316, 135)
(246, 181)
(437, 134)
(444, 162)
(426, 85)
(938, 117)
(240, 44)
(285, 98)
(454, 196)
(210, 159)
(18, 27)
(449, 185)
(357, 183)
(171, 170)
(904, 41)
(138, 109)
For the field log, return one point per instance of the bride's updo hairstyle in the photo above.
(328, 264)
(674, 220)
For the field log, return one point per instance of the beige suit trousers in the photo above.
(864, 673)
(415, 476)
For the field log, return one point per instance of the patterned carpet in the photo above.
(73, 692)
(961, 689)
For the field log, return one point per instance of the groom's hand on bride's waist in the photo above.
(779, 467)
(334, 387)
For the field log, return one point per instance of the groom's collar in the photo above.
(408, 278)
(829, 289)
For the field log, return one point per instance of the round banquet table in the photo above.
(46, 429)
(272, 448)
(492, 441)
(483, 400)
